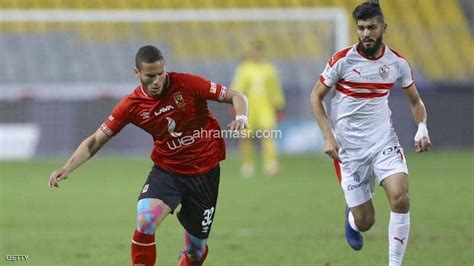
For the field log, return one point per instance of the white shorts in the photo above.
(360, 169)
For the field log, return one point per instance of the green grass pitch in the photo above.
(296, 218)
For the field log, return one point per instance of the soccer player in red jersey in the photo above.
(172, 108)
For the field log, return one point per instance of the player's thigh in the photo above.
(198, 206)
(163, 186)
(357, 181)
(396, 184)
(391, 169)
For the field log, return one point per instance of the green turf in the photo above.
(294, 219)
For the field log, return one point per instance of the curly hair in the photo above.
(368, 10)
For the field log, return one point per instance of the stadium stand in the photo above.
(433, 34)
(64, 78)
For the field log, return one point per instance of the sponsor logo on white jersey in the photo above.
(357, 71)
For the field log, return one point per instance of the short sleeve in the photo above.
(117, 120)
(331, 74)
(206, 89)
(406, 74)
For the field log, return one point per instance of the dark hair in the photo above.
(368, 10)
(147, 54)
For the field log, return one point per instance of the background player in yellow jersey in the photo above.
(257, 78)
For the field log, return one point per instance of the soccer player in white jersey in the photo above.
(359, 135)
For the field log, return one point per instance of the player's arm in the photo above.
(318, 93)
(240, 103)
(90, 146)
(422, 139)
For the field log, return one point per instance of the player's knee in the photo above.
(144, 225)
(365, 222)
(400, 203)
(148, 216)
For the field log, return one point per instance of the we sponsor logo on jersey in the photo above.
(178, 141)
(171, 126)
(164, 110)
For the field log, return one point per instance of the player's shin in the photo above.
(398, 231)
(143, 249)
(195, 251)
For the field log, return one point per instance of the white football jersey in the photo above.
(359, 115)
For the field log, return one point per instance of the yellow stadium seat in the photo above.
(441, 48)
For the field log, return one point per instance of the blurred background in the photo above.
(65, 63)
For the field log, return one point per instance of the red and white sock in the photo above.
(398, 231)
(143, 249)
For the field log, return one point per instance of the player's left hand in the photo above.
(422, 139)
(238, 125)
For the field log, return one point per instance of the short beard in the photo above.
(370, 51)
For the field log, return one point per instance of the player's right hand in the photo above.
(331, 148)
(56, 177)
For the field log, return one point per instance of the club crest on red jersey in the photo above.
(179, 100)
(384, 71)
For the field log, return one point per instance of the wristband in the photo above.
(421, 132)
(242, 117)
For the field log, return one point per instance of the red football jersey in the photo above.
(173, 119)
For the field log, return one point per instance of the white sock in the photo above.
(352, 222)
(398, 231)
